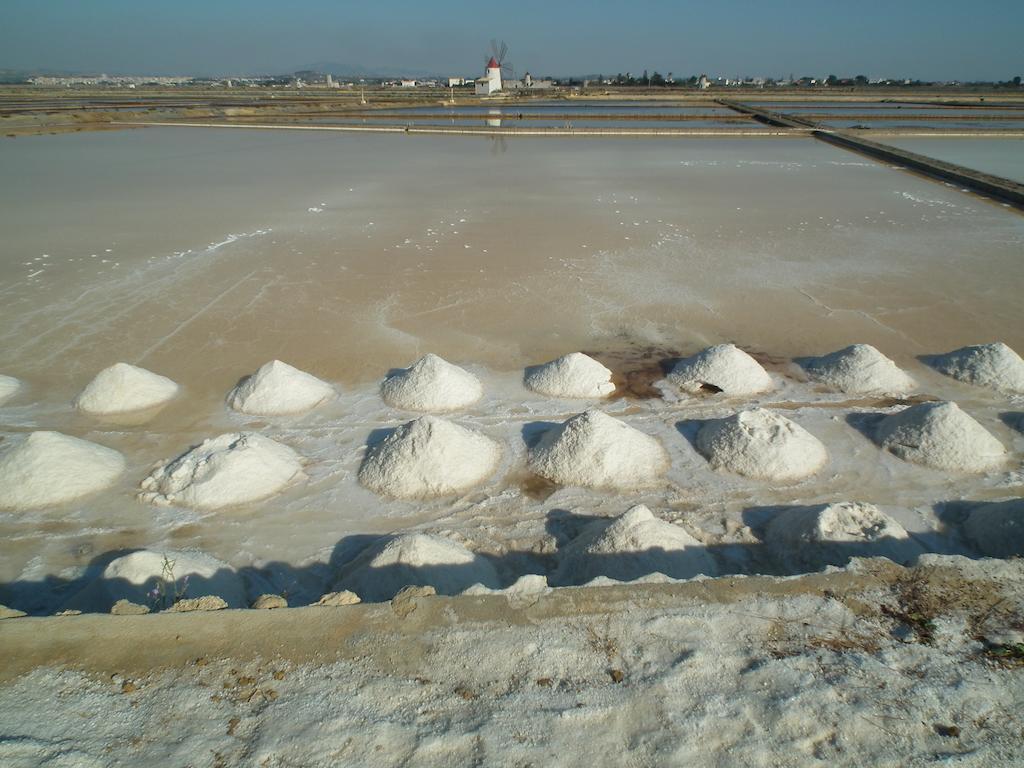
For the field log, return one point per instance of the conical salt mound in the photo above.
(573, 375)
(431, 384)
(594, 450)
(416, 559)
(986, 365)
(723, 368)
(997, 530)
(859, 369)
(813, 537)
(8, 386)
(428, 457)
(48, 468)
(236, 468)
(761, 444)
(124, 388)
(941, 436)
(633, 545)
(278, 389)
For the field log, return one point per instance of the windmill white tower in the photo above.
(493, 70)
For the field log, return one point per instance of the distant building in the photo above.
(491, 81)
(456, 81)
(703, 83)
(408, 83)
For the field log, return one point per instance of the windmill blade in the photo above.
(494, 47)
(504, 50)
(507, 70)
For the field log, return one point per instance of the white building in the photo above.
(703, 83)
(408, 83)
(491, 81)
(456, 81)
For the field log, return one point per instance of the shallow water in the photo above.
(348, 255)
(1002, 157)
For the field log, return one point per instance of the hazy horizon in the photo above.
(915, 39)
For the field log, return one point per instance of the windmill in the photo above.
(494, 68)
(498, 52)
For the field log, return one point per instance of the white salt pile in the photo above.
(427, 457)
(124, 388)
(49, 468)
(859, 369)
(941, 436)
(631, 546)
(431, 384)
(594, 450)
(811, 538)
(236, 468)
(159, 578)
(8, 386)
(278, 389)
(997, 530)
(761, 444)
(572, 375)
(987, 365)
(723, 368)
(416, 559)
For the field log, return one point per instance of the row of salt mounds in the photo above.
(235, 468)
(573, 375)
(49, 468)
(941, 436)
(278, 389)
(594, 450)
(427, 457)
(135, 576)
(997, 530)
(761, 444)
(859, 369)
(811, 538)
(416, 559)
(723, 368)
(986, 365)
(8, 386)
(431, 384)
(633, 545)
(124, 388)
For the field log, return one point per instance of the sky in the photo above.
(923, 39)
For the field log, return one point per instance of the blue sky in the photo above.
(912, 38)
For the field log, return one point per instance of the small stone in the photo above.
(268, 602)
(10, 613)
(545, 682)
(404, 602)
(205, 603)
(128, 608)
(69, 612)
(616, 675)
(128, 687)
(345, 597)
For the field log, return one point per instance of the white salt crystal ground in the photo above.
(997, 530)
(986, 365)
(630, 546)
(278, 389)
(8, 387)
(809, 538)
(236, 468)
(417, 559)
(761, 444)
(48, 468)
(859, 369)
(124, 388)
(431, 384)
(574, 375)
(941, 436)
(427, 457)
(595, 450)
(723, 367)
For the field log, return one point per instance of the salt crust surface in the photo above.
(427, 457)
(236, 468)
(941, 436)
(725, 367)
(574, 375)
(124, 388)
(630, 546)
(278, 389)
(49, 468)
(814, 537)
(416, 559)
(986, 365)
(761, 444)
(8, 386)
(595, 450)
(133, 576)
(859, 369)
(997, 530)
(431, 384)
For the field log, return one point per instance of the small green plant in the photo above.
(168, 590)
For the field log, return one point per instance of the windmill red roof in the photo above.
(492, 64)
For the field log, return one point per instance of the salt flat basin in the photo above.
(354, 254)
(1002, 157)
